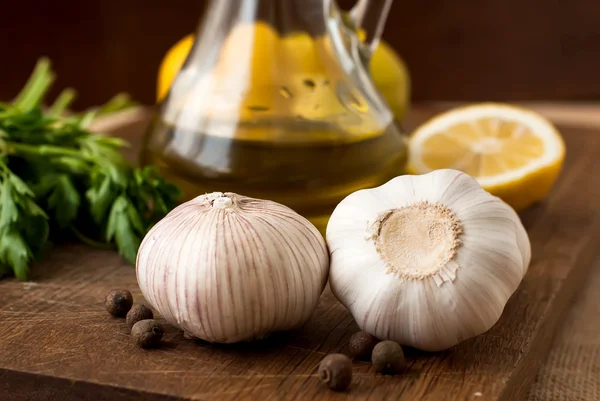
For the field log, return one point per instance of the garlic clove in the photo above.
(468, 188)
(227, 268)
(426, 261)
(522, 239)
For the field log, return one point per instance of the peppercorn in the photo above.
(147, 333)
(387, 357)
(361, 345)
(118, 302)
(335, 370)
(137, 313)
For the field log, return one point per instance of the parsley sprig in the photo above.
(58, 180)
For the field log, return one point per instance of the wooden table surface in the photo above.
(58, 343)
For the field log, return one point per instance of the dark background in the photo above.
(456, 50)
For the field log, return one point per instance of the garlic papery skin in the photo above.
(427, 261)
(227, 268)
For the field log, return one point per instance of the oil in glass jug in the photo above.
(275, 102)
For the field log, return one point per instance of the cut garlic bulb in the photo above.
(427, 261)
(227, 268)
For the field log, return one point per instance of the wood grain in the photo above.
(58, 342)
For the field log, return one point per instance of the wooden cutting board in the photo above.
(58, 343)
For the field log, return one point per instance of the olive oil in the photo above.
(308, 167)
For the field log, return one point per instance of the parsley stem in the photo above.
(36, 87)
(48, 150)
(61, 103)
(88, 241)
(118, 102)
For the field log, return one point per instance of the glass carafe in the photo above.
(275, 101)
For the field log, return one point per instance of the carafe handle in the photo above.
(370, 16)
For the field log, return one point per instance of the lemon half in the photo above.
(514, 153)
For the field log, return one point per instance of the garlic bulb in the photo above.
(227, 268)
(427, 261)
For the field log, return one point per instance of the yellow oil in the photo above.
(310, 168)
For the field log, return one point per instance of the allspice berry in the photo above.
(147, 333)
(361, 345)
(118, 302)
(335, 370)
(388, 358)
(137, 313)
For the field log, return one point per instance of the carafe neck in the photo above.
(285, 16)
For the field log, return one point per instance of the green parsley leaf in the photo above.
(23, 225)
(100, 196)
(121, 229)
(14, 252)
(8, 207)
(64, 201)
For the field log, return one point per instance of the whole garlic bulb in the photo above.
(227, 268)
(427, 261)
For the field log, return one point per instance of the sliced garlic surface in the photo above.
(427, 261)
